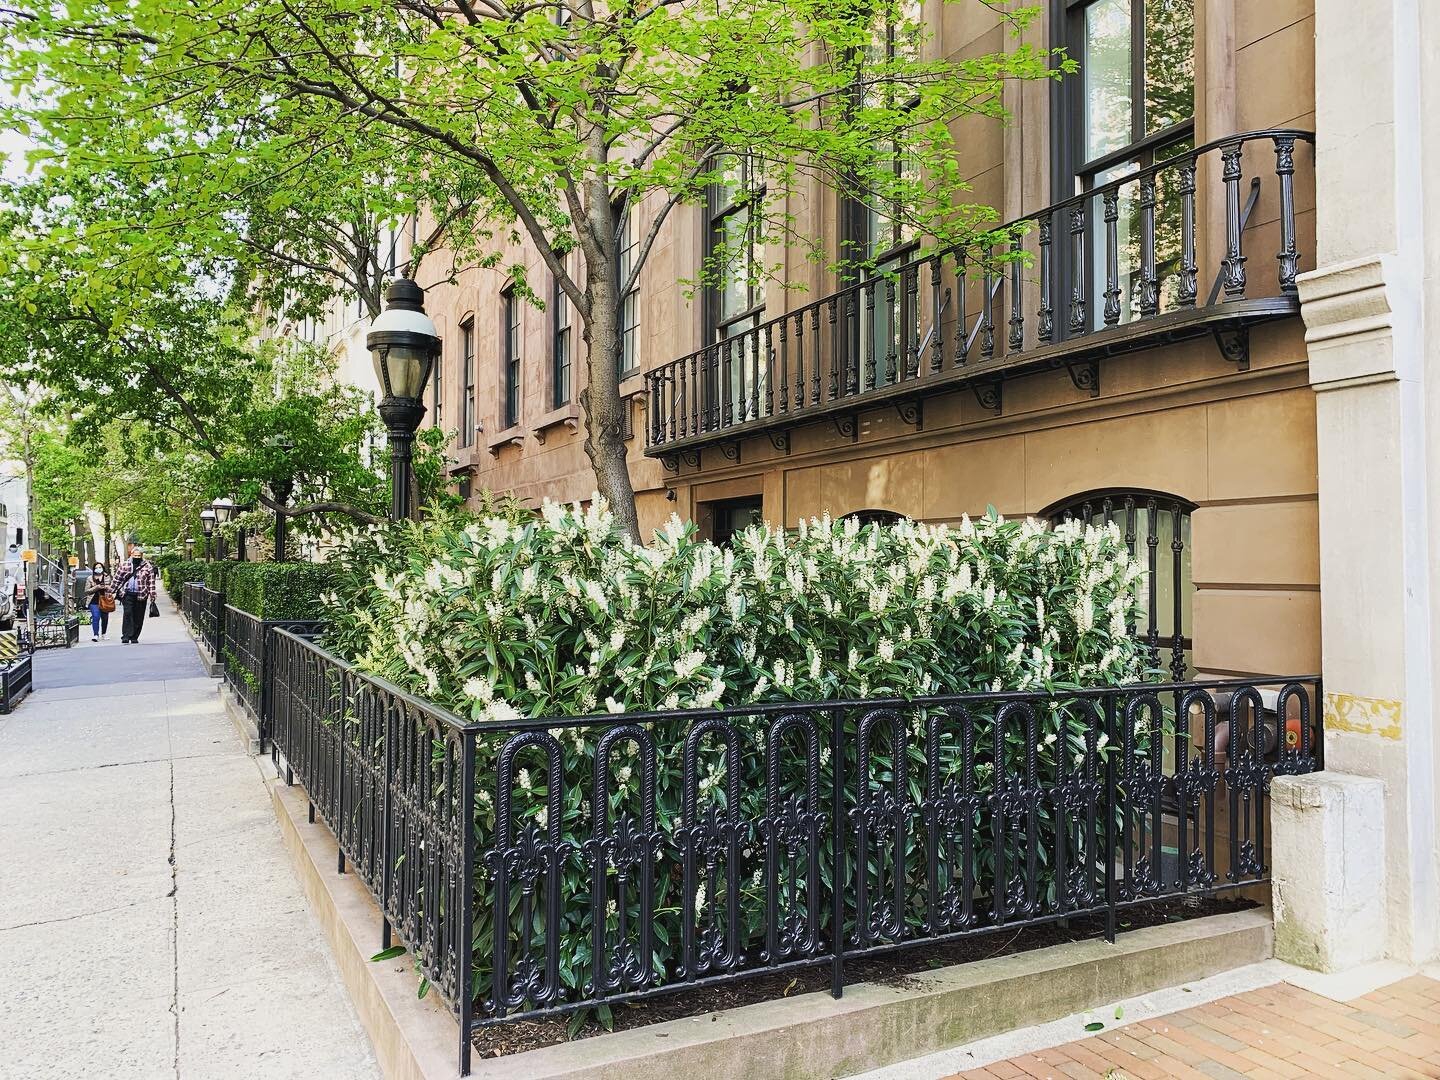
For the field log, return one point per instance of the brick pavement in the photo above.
(1274, 1033)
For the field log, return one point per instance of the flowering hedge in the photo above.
(558, 615)
(514, 615)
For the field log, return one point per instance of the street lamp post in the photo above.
(404, 344)
(281, 489)
(207, 526)
(189, 548)
(224, 510)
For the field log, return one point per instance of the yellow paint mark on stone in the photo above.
(1363, 715)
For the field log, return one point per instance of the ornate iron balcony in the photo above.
(1113, 270)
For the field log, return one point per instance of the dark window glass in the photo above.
(467, 381)
(511, 315)
(560, 374)
(732, 516)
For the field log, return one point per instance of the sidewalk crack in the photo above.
(174, 926)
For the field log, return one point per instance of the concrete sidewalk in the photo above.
(150, 923)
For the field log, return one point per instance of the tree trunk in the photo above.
(604, 411)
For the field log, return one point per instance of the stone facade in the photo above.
(1178, 419)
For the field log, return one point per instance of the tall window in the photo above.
(1156, 528)
(467, 381)
(630, 302)
(873, 225)
(560, 356)
(736, 301)
(1132, 106)
(511, 333)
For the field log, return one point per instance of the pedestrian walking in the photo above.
(100, 597)
(135, 585)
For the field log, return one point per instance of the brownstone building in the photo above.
(1145, 359)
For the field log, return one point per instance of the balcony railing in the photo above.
(1156, 256)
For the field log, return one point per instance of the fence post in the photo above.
(837, 871)
(1111, 809)
(386, 856)
(466, 915)
(262, 702)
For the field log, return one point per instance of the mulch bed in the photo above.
(522, 1035)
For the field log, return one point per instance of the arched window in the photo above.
(874, 517)
(1156, 528)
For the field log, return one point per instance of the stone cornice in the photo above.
(1349, 323)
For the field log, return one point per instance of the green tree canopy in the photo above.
(553, 120)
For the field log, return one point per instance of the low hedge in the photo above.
(272, 590)
(176, 572)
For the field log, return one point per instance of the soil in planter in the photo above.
(516, 1037)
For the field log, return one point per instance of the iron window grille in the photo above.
(1156, 529)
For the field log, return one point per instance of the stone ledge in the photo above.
(246, 727)
(808, 1036)
(815, 1036)
(414, 1039)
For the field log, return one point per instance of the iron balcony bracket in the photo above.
(912, 413)
(846, 426)
(988, 395)
(671, 462)
(730, 451)
(1234, 345)
(1086, 376)
(780, 440)
(690, 458)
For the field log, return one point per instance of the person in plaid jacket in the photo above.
(136, 588)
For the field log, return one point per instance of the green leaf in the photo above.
(390, 953)
(1095, 1025)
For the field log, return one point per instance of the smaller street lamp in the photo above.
(207, 526)
(189, 548)
(404, 343)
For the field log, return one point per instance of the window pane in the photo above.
(734, 293)
(1169, 62)
(1105, 69)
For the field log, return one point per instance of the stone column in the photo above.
(1375, 374)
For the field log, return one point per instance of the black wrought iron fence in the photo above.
(190, 599)
(204, 610)
(245, 655)
(59, 631)
(609, 859)
(15, 682)
(391, 776)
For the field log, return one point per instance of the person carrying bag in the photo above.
(101, 601)
(136, 586)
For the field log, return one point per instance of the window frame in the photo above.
(1072, 172)
(467, 382)
(510, 327)
(628, 358)
(562, 340)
